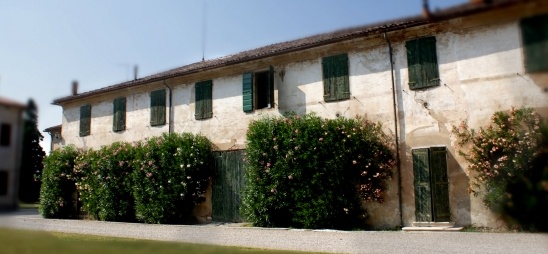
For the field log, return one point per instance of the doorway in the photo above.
(431, 184)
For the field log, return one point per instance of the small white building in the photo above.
(11, 133)
(418, 75)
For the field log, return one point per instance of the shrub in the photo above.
(499, 153)
(171, 174)
(58, 190)
(304, 171)
(528, 202)
(105, 184)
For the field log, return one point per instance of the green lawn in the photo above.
(24, 241)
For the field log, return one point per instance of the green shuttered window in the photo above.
(85, 120)
(158, 107)
(422, 62)
(335, 78)
(119, 114)
(258, 90)
(203, 104)
(534, 33)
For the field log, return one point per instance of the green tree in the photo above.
(33, 154)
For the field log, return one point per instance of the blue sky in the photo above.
(45, 45)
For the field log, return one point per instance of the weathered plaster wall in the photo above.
(481, 72)
(101, 133)
(10, 155)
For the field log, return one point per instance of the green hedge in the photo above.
(105, 185)
(171, 175)
(305, 171)
(159, 180)
(58, 190)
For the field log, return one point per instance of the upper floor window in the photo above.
(258, 90)
(422, 62)
(335, 78)
(158, 107)
(85, 120)
(5, 134)
(534, 32)
(203, 107)
(119, 114)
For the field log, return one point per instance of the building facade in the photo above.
(419, 76)
(11, 133)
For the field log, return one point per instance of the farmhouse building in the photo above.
(419, 76)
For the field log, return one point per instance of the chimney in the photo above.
(74, 87)
(481, 1)
(426, 10)
(135, 69)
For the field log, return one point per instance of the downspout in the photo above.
(395, 107)
(170, 114)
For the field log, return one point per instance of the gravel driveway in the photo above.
(294, 239)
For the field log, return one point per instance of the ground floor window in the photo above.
(3, 183)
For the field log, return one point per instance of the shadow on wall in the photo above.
(291, 97)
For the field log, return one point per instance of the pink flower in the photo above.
(354, 162)
(290, 177)
(272, 190)
(149, 175)
(268, 164)
(321, 139)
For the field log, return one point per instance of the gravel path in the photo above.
(294, 239)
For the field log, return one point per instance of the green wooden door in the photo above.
(423, 196)
(431, 184)
(228, 184)
(440, 186)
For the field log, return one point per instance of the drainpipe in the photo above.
(395, 107)
(170, 107)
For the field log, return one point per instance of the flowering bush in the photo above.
(171, 174)
(528, 204)
(305, 171)
(58, 190)
(105, 185)
(499, 153)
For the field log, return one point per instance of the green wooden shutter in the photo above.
(271, 87)
(158, 107)
(119, 114)
(422, 63)
(203, 106)
(85, 120)
(429, 61)
(421, 170)
(343, 89)
(413, 64)
(534, 33)
(247, 92)
(440, 186)
(335, 77)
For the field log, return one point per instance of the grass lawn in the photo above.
(25, 241)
